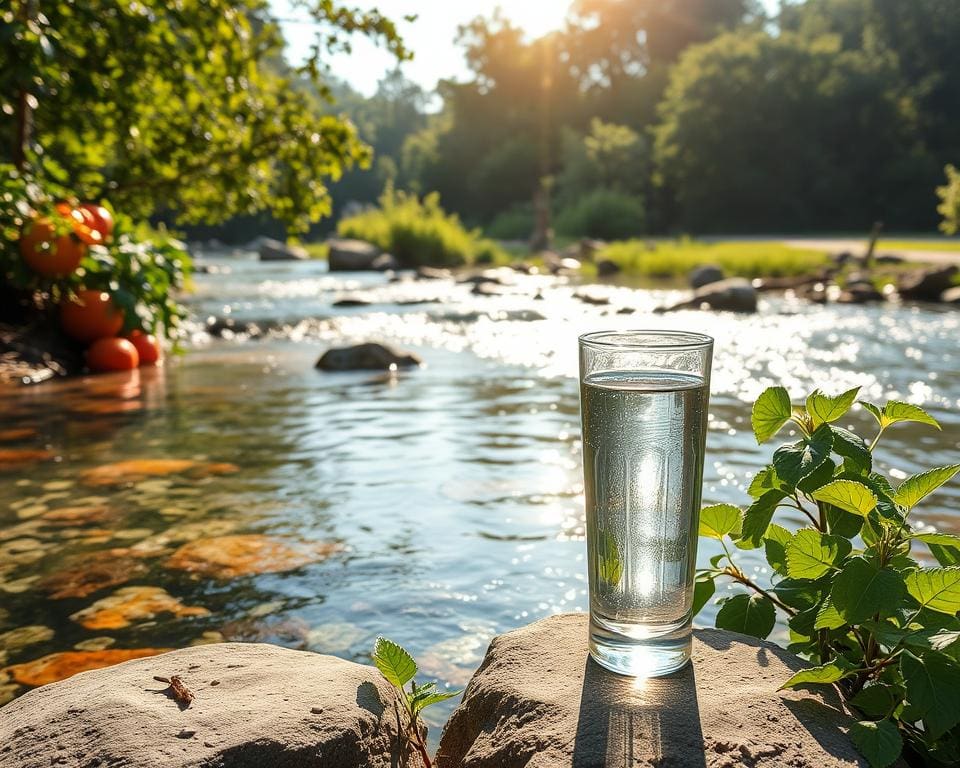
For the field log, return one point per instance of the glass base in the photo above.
(637, 650)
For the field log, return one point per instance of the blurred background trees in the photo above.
(641, 116)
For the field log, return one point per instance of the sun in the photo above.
(535, 17)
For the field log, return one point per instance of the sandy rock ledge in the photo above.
(537, 702)
(255, 706)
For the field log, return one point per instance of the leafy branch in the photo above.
(877, 626)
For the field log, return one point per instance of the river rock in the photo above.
(859, 291)
(370, 356)
(538, 702)
(733, 295)
(606, 267)
(254, 705)
(927, 285)
(274, 250)
(351, 255)
(704, 275)
(951, 295)
(433, 273)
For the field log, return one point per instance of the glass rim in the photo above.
(646, 339)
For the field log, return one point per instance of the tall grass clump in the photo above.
(675, 258)
(418, 232)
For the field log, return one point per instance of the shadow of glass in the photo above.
(625, 722)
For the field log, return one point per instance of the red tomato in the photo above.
(91, 315)
(112, 355)
(102, 219)
(147, 346)
(48, 249)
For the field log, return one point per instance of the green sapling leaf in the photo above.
(853, 449)
(936, 588)
(933, 690)
(828, 617)
(703, 589)
(811, 554)
(849, 495)
(795, 461)
(394, 662)
(719, 520)
(823, 674)
(770, 412)
(878, 740)
(823, 408)
(915, 488)
(896, 411)
(877, 700)
(757, 518)
(748, 614)
(765, 480)
(862, 589)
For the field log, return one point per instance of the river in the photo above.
(437, 506)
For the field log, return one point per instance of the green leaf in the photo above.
(703, 589)
(719, 520)
(877, 700)
(774, 545)
(936, 588)
(837, 669)
(819, 477)
(770, 412)
(862, 589)
(944, 547)
(946, 556)
(394, 662)
(933, 690)
(758, 516)
(795, 461)
(875, 410)
(848, 495)
(913, 489)
(426, 699)
(748, 614)
(811, 554)
(765, 480)
(799, 594)
(823, 408)
(842, 523)
(896, 411)
(828, 617)
(878, 740)
(853, 449)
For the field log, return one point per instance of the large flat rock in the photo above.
(538, 702)
(255, 706)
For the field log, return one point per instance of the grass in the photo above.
(952, 246)
(675, 258)
(316, 250)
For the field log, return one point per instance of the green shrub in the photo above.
(417, 232)
(676, 258)
(515, 224)
(603, 214)
(949, 207)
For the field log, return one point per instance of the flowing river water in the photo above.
(239, 494)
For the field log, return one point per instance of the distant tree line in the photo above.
(658, 116)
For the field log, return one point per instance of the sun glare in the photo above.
(535, 17)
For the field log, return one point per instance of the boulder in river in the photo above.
(704, 275)
(859, 291)
(951, 295)
(352, 256)
(606, 267)
(732, 295)
(253, 705)
(538, 700)
(433, 273)
(928, 284)
(274, 250)
(366, 357)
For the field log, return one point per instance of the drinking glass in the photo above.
(643, 408)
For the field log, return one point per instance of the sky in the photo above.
(431, 37)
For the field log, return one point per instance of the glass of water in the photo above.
(643, 407)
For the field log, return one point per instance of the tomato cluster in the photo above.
(53, 246)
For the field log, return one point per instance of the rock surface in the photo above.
(274, 250)
(255, 705)
(538, 702)
(927, 285)
(352, 255)
(733, 295)
(369, 357)
(704, 275)
(951, 295)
